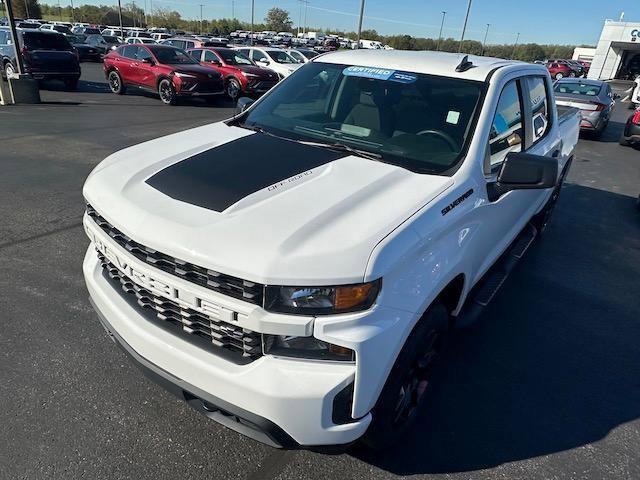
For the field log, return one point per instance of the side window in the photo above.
(129, 51)
(257, 55)
(506, 130)
(189, 45)
(209, 56)
(197, 54)
(143, 54)
(179, 44)
(539, 107)
(3, 38)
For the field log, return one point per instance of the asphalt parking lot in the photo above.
(546, 386)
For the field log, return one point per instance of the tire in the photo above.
(623, 141)
(405, 390)
(9, 70)
(71, 83)
(115, 83)
(559, 75)
(541, 219)
(233, 89)
(167, 92)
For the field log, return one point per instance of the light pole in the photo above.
(151, 13)
(299, 17)
(120, 18)
(444, 14)
(253, 9)
(59, 11)
(360, 21)
(515, 45)
(464, 27)
(73, 16)
(201, 5)
(26, 8)
(306, 4)
(233, 9)
(484, 42)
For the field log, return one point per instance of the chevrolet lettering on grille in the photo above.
(161, 287)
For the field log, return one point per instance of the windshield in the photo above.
(231, 57)
(110, 39)
(416, 121)
(45, 41)
(75, 38)
(576, 88)
(172, 56)
(281, 57)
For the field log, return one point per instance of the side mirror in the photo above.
(243, 104)
(522, 171)
(264, 62)
(148, 61)
(215, 62)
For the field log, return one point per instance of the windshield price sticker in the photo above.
(380, 74)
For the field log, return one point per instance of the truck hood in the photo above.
(257, 207)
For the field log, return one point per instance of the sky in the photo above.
(539, 21)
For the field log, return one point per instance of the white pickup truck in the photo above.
(291, 272)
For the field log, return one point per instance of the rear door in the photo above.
(125, 63)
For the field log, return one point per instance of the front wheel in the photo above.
(167, 92)
(233, 89)
(404, 392)
(115, 83)
(9, 70)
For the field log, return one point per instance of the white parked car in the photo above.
(302, 55)
(292, 272)
(275, 59)
(149, 41)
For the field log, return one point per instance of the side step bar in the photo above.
(484, 291)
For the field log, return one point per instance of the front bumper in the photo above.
(279, 401)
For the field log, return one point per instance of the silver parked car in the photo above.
(594, 98)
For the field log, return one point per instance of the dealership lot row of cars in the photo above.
(175, 67)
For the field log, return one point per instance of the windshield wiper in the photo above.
(341, 147)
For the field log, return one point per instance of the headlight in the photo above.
(184, 75)
(305, 347)
(321, 300)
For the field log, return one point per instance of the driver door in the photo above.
(144, 73)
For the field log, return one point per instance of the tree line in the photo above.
(278, 20)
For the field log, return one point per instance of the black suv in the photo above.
(46, 55)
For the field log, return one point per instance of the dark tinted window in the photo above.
(129, 51)
(197, 54)
(143, 54)
(3, 37)
(172, 56)
(45, 41)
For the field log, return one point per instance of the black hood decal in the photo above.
(219, 177)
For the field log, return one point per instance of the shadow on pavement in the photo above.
(553, 363)
(611, 134)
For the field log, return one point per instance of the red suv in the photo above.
(241, 75)
(168, 71)
(560, 70)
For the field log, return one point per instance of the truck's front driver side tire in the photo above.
(405, 390)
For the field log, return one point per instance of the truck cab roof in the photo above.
(431, 63)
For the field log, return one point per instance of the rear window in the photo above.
(45, 41)
(576, 88)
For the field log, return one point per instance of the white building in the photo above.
(584, 53)
(618, 52)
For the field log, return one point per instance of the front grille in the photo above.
(232, 341)
(209, 86)
(226, 284)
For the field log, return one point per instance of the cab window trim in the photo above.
(529, 117)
